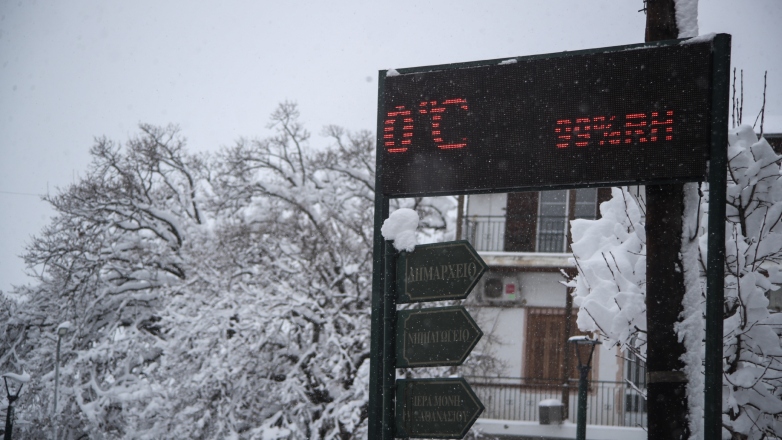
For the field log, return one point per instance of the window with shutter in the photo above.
(552, 220)
(545, 345)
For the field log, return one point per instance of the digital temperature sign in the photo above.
(626, 115)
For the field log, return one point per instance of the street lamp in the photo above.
(62, 329)
(585, 348)
(13, 385)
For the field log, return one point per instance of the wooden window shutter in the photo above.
(546, 344)
(521, 222)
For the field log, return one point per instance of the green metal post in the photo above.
(375, 405)
(389, 343)
(715, 269)
(581, 420)
(583, 381)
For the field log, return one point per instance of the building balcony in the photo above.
(539, 234)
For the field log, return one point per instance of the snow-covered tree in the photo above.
(212, 297)
(120, 235)
(610, 286)
(297, 226)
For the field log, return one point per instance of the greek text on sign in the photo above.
(435, 337)
(442, 272)
(437, 272)
(435, 408)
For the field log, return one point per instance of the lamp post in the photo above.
(62, 329)
(586, 345)
(12, 390)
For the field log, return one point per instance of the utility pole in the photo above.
(666, 382)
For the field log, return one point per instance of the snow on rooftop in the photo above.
(392, 72)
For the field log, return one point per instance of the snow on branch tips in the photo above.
(610, 288)
(400, 227)
(254, 325)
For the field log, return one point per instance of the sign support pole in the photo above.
(376, 352)
(389, 344)
(666, 382)
(715, 260)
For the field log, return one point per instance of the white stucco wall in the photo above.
(508, 324)
(506, 327)
(542, 289)
(608, 363)
(487, 204)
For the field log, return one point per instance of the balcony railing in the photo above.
(609, 403)
(551, 234)
(543, 233)
(486, 232)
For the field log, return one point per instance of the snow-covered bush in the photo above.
(610, 287)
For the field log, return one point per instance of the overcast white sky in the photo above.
(71, 71)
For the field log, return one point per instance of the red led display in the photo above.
(607, 117)
(398, 127)
(611, 130)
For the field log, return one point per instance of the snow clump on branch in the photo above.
(610, 289)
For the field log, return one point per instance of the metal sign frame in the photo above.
(382, 344)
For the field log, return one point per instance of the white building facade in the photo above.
(527, 314)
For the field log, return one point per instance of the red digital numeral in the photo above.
(399, 133)
(398, 129)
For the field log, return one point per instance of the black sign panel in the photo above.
(603, 117)
(435, 408)
(438, 272)
(435, 337)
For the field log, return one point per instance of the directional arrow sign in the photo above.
(435, 337)
(435, 408)
(437, 272)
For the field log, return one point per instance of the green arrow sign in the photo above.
(435, 408)
(437, 272)
(435, 337)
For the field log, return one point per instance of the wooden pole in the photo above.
(666, 382)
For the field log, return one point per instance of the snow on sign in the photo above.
(603, 117)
